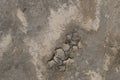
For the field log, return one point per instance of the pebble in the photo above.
(60, 54)
(66, 47)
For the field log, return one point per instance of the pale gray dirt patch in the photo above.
(59, 40)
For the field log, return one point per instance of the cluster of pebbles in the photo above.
(63, 53)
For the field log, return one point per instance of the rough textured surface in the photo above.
(59, 39)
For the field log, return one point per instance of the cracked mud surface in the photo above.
(59, 40)
(65, 53)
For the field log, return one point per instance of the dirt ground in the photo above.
(59, 39)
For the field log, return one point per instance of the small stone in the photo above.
(60, 54)
(58, 61)
(80, 45)
(66, 47)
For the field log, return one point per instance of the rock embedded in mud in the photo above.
(60, 54)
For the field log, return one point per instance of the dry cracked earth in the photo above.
(59, 39)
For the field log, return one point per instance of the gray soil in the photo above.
(54, 40)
